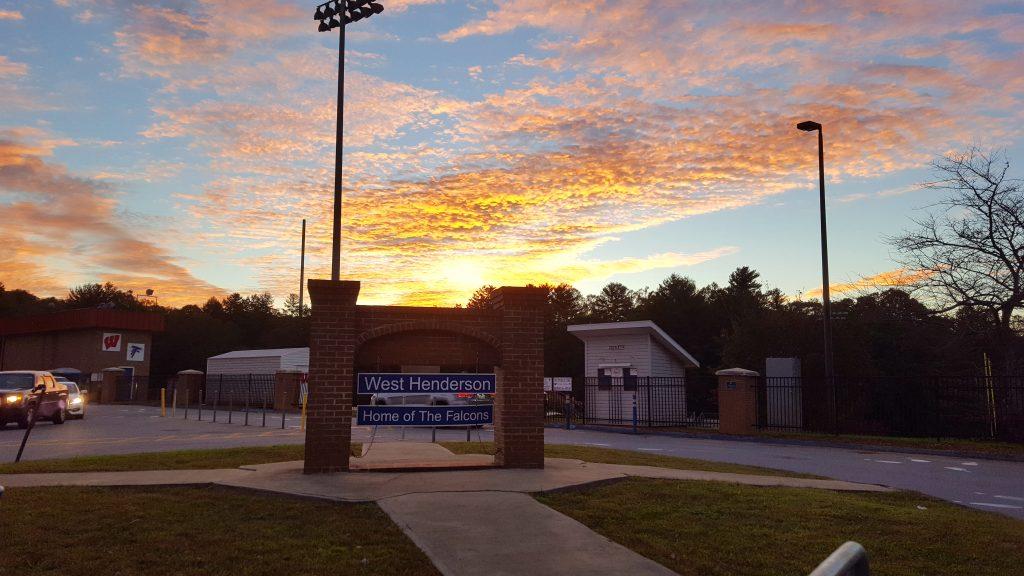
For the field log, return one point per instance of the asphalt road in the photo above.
(985, 484)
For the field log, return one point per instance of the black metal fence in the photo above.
(645, 401)
(917, 406)
(246, 399)
(144, 390)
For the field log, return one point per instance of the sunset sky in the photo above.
(177, 144)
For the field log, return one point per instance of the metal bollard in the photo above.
(248, 392)
(163, 402)
(264, 409)
(282, 418)
(231, 407)
(174, 401)
(186, 403)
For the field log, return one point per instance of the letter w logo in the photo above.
(111, 341)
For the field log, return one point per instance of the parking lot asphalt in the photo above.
(983, 484)
(122, 429)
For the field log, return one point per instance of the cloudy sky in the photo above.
(177, 144)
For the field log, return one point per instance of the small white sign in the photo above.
(111, 342)
(558, 384)
(136, 352)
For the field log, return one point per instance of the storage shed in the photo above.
(627, 362)
(268, 361)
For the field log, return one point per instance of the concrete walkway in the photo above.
(468, 521)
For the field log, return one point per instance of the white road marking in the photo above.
(958, 469)
(968, 463)
(920, 460)
(990, 505)
(888, 462)
(1015, 498)
(596, 444)
(651, 449)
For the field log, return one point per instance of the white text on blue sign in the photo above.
(425, 383)
(425, 415)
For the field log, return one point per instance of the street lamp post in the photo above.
(338, 14)
(811, 126)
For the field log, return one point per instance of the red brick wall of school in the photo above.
(345, 336)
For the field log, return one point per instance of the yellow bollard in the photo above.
(302, 418)
(163, 402)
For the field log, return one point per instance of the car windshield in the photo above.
(16, 381)
(72, 387)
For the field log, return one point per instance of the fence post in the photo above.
(264, 408)
(216, 401)
(174, 400)
(568, 411)
(650, 407)
(248, 392)
(186, 403)
(231, 407)
(634, 412)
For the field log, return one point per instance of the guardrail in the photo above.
(850, 559)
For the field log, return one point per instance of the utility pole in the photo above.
(302, 269)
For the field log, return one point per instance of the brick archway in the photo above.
(426, 325)
(513, 328)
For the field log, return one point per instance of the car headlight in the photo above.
(76, 400)
(12, 398)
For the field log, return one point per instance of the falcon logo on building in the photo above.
(136, 352)
(111, 342)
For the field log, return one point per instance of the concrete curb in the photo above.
(799, 442)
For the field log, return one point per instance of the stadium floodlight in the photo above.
(339, 14)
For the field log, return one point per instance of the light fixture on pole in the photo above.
(811, 126)
(338, 14)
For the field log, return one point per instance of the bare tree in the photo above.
(968, 252)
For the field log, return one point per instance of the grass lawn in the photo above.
(710, 528)
(609, 456)
(158, 531)
(177, 460)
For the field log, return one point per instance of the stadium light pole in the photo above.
(811, 126)
(339, 14)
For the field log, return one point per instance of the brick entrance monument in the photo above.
(347, 338)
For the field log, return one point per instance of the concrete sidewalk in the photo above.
(468, 521)
(509, 534)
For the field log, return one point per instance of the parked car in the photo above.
(432, 399)
(76, 398)
(23, 392)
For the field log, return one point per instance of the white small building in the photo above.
(268, 361)
(619, 353)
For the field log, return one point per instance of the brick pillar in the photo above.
(519, 401)
(107, 392)
(737, 401)
(286, 389)
(331, 354)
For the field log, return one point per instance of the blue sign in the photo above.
(426, 383)
(425, 415)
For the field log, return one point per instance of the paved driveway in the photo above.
(985, 484)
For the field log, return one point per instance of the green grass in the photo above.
(196, 531)
(610, 456)
(176, 460)
(709, 528)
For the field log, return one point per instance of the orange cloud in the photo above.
(61, 230)
(898, 278)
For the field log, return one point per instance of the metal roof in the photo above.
(265, 353)
(83, 319)
(635, 327)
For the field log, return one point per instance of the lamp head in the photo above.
(808, 126)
